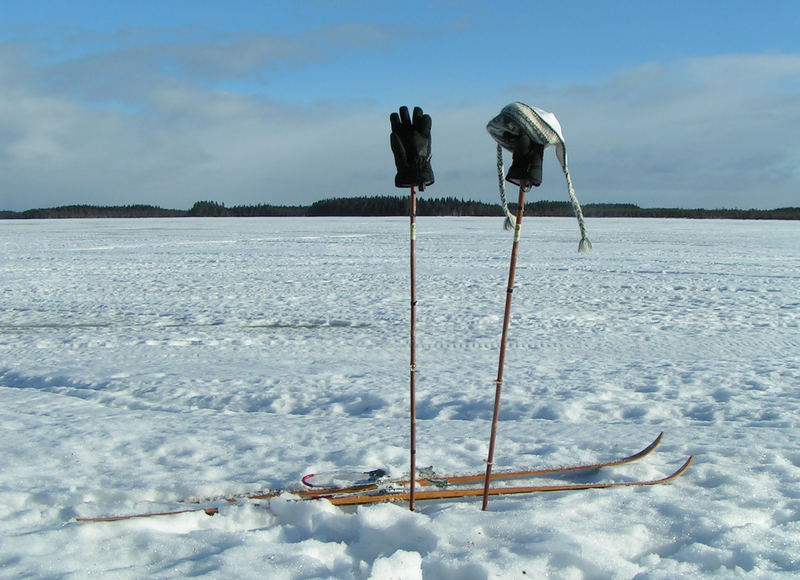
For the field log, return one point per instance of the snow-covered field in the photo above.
(144, 362)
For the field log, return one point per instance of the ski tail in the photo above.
(210, 511)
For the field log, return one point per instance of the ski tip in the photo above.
(646, 451)
(656, 441)
(682, 469)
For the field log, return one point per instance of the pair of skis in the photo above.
(451, 487)
(376, 487)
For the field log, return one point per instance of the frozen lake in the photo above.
(144, 362)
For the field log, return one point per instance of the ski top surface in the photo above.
(373, 493)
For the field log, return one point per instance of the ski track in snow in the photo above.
(144, 362)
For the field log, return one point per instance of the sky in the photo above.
(679, 104)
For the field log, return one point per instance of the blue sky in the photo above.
(691, 104)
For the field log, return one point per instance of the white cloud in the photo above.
(704, 132)
(117, 128)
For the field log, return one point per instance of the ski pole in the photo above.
(410, 141)
(413, 344)
(503, 342)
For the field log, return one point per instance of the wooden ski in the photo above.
(441, 481)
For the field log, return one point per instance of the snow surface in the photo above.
(143, 362)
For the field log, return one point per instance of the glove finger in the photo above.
(404, 118)
(536, 157)
(522, 144)
(423, 125)
(400, 157)
(394, 119)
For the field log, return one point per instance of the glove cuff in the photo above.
(412, 177)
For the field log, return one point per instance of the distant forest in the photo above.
(395, 206)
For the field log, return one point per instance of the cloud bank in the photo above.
(131, 118)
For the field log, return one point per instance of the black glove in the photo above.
(411, 145)
(526, 164)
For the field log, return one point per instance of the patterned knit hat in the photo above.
(543, 128)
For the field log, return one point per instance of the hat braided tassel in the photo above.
(584, 245)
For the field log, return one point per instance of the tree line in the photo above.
(369, 206)
(93, 211)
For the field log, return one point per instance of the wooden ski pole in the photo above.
(413, 347)
(503, 342)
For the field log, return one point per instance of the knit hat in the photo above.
(540, 127)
